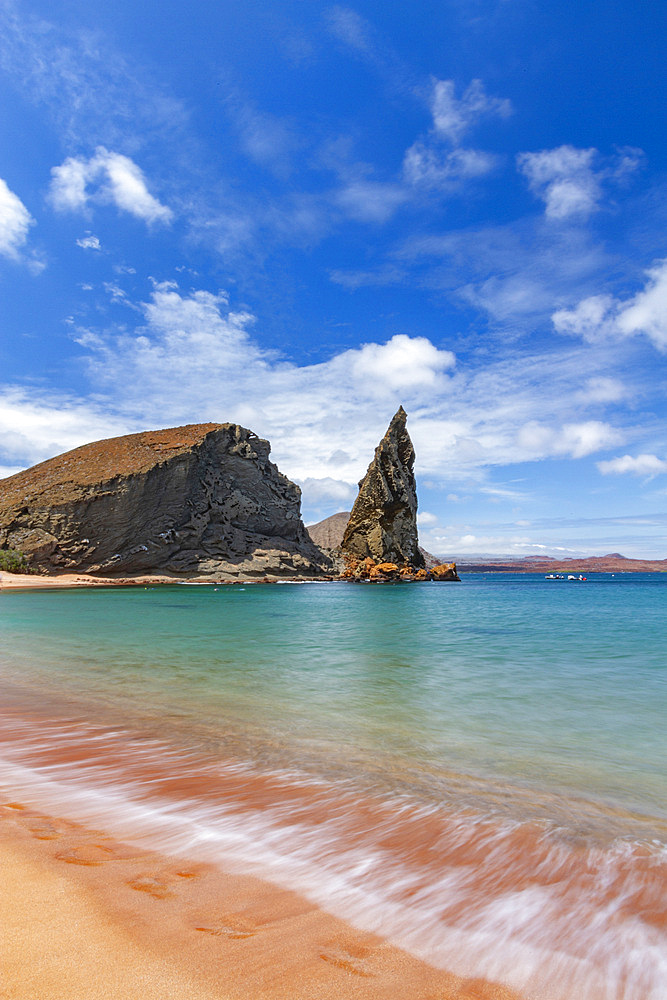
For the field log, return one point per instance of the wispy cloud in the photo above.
(35, 425)
(438, 160)
(15, 222)
(113, 178)
(603, 317)
(371, 201)
(647, 466)
(570, 181)
(352, 29)
(89, 242)
(92, 92)
(268, 140)
(564, 179)
(453, 117)
(426, 166)
(324, 419)
(574, 439)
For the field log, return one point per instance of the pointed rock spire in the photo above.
(383, 522)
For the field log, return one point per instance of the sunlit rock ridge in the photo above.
(200, 500)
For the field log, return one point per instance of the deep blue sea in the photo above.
(475, 770)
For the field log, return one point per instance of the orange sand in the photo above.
(85, 917)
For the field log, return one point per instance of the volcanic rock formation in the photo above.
(197, 500)
(383, 522)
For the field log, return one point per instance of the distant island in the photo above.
(612, 563)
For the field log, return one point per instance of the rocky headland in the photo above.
(202, 500)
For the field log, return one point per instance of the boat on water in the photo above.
(561, 576)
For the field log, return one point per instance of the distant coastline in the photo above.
(613, 563)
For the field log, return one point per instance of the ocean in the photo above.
(476, 771)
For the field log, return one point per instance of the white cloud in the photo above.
(68, 184)
(402, 363)
(602, 389)
(328, 490)
(191, 358)
(570, 181)
(15, 221)
(35, 427)
(458, 543)
(427, 164)
(453, 117)
(591, 318)
(564, 179)
(425, 519)
(428, 167)
(128, 188)
(602, 317)
(9, 470)
(89, 242)
(647, 312)
(575, 440)
(641, 465)
(461, 422)
(115, 178)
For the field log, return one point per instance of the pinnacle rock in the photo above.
(383, 522)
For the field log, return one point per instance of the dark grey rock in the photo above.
(198, 500)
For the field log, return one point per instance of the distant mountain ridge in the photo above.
(612, 563)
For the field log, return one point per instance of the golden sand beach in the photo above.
(85, 917)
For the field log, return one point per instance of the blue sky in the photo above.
(297, 216)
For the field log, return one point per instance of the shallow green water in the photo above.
(556, 684)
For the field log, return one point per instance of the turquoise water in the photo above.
(550, 682)
(505, 703)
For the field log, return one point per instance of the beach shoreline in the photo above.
(26, 581)
(87, 916)
(159, 759)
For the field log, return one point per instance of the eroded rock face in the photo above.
(198, 500)
(367, 571)
(383, 522)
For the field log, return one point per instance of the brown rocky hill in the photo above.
(328, 534)
(203, 499)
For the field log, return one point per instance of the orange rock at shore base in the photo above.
(367, 570)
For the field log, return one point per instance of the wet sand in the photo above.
(85, 916)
